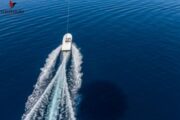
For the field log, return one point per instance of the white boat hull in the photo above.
(67, 42)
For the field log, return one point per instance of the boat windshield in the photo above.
(68, 40)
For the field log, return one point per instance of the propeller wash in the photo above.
(54, 96)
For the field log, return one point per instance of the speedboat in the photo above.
(67, 42)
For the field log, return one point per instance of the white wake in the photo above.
(75, 74)
(43, 78)
(57, 93)
(41, 85)
(54, 98)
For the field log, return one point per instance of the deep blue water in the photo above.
(131, 55)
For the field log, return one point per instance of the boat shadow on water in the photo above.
(102, 100)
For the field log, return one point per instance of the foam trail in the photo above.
(58, 94)
(42, 81)
(69, 107)
(42, 101)
(74, 83)
(53, 108)
(75, 75)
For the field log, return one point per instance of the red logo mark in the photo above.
(11, 4)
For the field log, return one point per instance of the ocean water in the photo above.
(131, 55)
